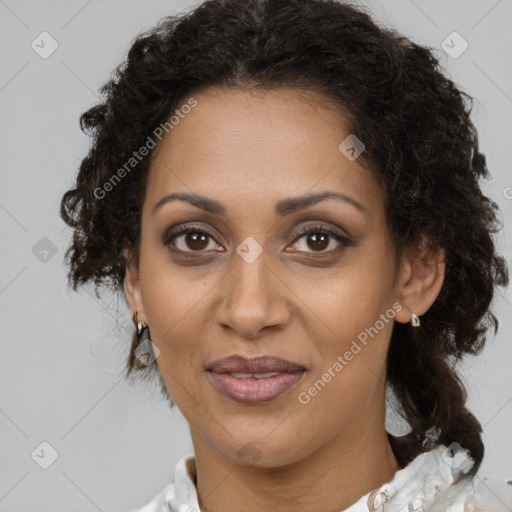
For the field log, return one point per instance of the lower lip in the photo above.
(255, 391)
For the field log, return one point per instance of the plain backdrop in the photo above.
(62, 352)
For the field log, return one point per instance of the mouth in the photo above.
(255, 388)
(254, 380)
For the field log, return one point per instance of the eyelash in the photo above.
(316, 230)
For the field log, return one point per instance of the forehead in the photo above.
(245, 146)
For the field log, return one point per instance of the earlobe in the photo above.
(421, 280)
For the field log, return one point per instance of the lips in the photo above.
(254, 381)
(261, 364)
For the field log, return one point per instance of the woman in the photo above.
(288, 197)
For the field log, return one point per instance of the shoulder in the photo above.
(439, 480)
(490, 494)
(178, 495)
(159, 503)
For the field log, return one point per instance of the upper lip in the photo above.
(260, 364)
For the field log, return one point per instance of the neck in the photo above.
(329, 480)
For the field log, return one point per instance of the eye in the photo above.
(319, 238)
(193, 239)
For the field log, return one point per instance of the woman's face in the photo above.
(254, 285)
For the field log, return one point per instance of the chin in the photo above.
(257, 451)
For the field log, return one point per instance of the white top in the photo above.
(427, 483)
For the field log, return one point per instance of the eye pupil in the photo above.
(319, 241)
(191, 239)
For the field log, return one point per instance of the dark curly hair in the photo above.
(421, 146)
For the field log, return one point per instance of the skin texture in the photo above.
(249, 151)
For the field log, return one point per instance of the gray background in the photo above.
(62, 353)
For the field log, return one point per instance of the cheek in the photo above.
(349, 320)
(351, 362)
(343, 303)
(174, 303)
(172, 294)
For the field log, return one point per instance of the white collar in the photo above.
(434, 481)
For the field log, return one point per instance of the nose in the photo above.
(254, 298)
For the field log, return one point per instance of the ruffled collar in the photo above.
(433, 481)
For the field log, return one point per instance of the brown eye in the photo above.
(196, 241)
(189, 239)
(318, 239)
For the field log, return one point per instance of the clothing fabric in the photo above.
(434, 481)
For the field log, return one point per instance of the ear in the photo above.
(421, 278)
(132, 288)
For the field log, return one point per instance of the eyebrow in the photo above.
(282, 208)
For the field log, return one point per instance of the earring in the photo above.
(142, 329)
(415, 320)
